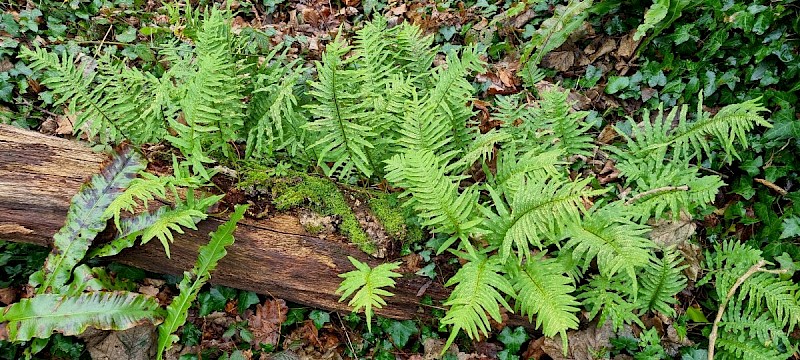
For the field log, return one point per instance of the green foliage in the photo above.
(479, 284)
(207, 259)
(544, 291)
(40, 316)
(435, 195)
(86, 218)
(661, 281)
(554, 31)
(365, 285)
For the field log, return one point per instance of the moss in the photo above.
(324, 197)
(395, 218)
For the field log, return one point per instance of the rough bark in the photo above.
(39, 175)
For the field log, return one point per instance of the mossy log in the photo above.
(39, 174)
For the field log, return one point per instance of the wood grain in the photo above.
(39, 174)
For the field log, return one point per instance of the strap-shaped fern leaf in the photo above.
(86, 218)
(208, 257)
(366, 285)
(479, 284)
(661, 281)
(544, 291)
(616, 243)
(538, 212)
(435, 195)
(340, 114)
(44, 314)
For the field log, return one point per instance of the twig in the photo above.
(346, 335)
(656, 191)
(772, 186)
(758, 267)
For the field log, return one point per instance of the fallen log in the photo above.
(39, 174)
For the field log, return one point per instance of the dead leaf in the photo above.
(265, 324)
(352, 2)
(627, 46)
(136, 343)
(582, 343)
(692, 258)
(8, 296)
(607, 135)
(667, 233)
(648, 93)
(559, 60)
(148, 290)
(534, 350)
(605, 47)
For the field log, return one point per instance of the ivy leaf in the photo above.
(616, 84)
(401, 331)
(513, 339)
(320, 318)
(791, 227)
(127, 36)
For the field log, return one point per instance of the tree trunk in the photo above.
(39, 175)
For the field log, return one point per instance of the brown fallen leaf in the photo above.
(8, 296)
(693, 259)
(627, 46)
(265, 324)
(582, 343)
(667, 233)
(559, 60)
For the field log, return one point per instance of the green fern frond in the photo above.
(45, 314)
(661, 281)
(780, 297)
(554, 31)
(274, 122)
(564, 129)
(738, 346)
(689, 140)
(482, 148)
(208, 257)
(617, 243)
(85, 219)
(340, 114)
(540, 211)
(367, 284)
(662, 188)
(421, 130)
(544, 291)
(755, 325)
(479, 284)
(515, 169)
(147, 187)
(611, 299)
(435, 195)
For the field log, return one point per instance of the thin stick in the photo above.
(758, 267)
(656, 191)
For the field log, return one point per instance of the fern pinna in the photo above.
(537, 232)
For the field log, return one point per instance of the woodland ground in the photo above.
(731, 50)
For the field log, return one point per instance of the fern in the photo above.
(689, 140)
(365, 284)
(538, 212)
(754, 325)
(435, 196)
(544, 291)
(44, 314)
(85, 219)
(611, 299)
(208, 257)
(340, 114)
(514, 169)
(479, 284)
(739, 346)
(661, 281)
(616, 243)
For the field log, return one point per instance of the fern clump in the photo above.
(366, 285)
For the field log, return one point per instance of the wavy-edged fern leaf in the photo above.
(435, 195)
(479, 284)
(662, 279)
(617, 243)
(544, 291)
(44, 314)
(365, 284)
(208, 257)
(539, 211)
(85, 219)
(340, 114)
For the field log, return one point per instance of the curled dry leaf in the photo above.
(265, 324)
(672, 232)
